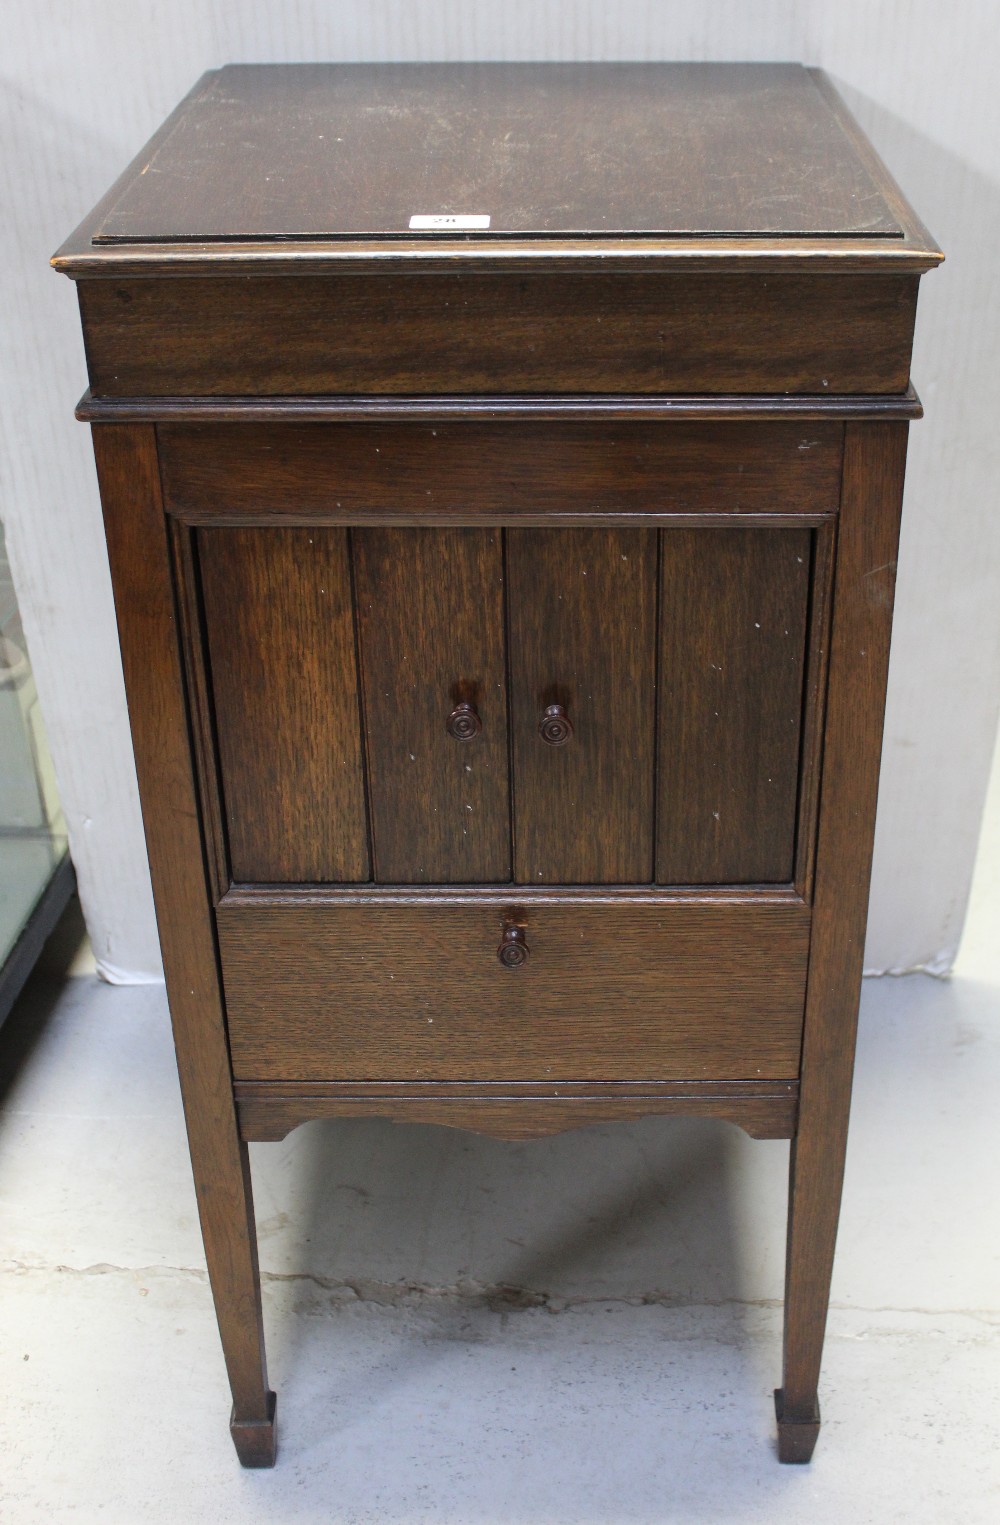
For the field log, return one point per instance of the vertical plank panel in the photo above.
(430, 617)
(733, 610)
(582, 616)
(284, 678)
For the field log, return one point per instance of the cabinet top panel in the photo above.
(421, 160)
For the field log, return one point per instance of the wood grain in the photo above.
(733, 607)
(144, 600)
(284, 678)
(582, 622)
(270, 1110)
(865, 578)
(472, 332)
(430, 619)
(414, 992)
(500, 473)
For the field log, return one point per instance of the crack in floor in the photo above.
(493, 1296)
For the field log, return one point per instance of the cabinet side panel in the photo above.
(582, 617)
(284, 678)
(430, 620)
(733, 607)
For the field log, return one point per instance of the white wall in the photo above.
(84, 83)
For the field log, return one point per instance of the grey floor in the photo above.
(585, 1328)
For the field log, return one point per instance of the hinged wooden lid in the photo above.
(316, 152)
(284, 169)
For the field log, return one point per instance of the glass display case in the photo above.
(36, 877)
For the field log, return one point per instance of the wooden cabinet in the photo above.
(505, 608)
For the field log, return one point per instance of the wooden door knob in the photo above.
(555, 727)
(513, 949)
(464, 724)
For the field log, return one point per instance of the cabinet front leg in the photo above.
(158, 710)
(225, 1202)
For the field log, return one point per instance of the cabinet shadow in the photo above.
(418, 1218)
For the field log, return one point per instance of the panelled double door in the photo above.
(510, 801)
(493, 706)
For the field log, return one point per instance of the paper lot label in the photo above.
(444, 222)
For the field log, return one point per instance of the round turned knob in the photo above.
(513, 949)
(555, 727)
(464, 724)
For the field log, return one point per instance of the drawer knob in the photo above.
(513, 949)
(555, 727)
(464, 724)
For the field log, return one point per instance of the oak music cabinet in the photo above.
(502, 468)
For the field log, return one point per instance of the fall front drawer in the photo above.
(598, 990)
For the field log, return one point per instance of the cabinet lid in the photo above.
(324, 151)
(294, 167)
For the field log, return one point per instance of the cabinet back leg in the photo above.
(814, 1188)
(867, 539)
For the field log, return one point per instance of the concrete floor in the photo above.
(462, 1330)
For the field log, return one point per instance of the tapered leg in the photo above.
(813, 1209)
(867, 537)
(158, 709)
(226, 1207)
